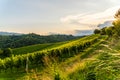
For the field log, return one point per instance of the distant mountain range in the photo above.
(9, 33)
(83, 32)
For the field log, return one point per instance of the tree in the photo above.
(103, 32)
(109, 31)
(7, 52)
(96, 31)
(117, 15)
(116, 22)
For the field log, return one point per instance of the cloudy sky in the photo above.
(55, 16)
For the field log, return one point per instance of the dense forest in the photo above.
(15, 41)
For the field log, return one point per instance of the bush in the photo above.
(7, 52)
(96, 31)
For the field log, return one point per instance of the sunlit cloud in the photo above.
(56, 16)
(92, 18)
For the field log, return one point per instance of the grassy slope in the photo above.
(104, 67)
(38, 47)
(7, 75)
(64, 68)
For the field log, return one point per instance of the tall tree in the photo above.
(116, 22)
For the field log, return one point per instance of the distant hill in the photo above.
(9, 33)
(15, 41)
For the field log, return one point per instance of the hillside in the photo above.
(86, 58)
(59, 39)
(15, 41)
(42, 60)
(102, 64)
(37, 47)
(96, 58)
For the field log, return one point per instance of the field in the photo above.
(38, 47)
(34, 48)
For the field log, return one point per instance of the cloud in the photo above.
(91, 18)
(105, 24)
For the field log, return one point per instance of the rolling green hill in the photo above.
(34, 48)
(39, 47)
(43, 59)
(86, 58)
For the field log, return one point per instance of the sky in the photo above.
(55, 16)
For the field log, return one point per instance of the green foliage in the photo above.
(89, 50)
(15, 41)
(103, 32)
(91, 76)
(57, 76)
(36, 48)
(109, 31)
(104, 56)
(59, 53)
(97, 31)
(30, 49)
(1, 51)
(116, 23)
(7, 52)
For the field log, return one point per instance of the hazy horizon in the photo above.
(55, 16)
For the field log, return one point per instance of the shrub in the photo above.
(7, 52)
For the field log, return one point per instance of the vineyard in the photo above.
(35, 48)
(59, 40)
(42, 58)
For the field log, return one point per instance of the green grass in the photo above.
(40, 47)
(106, 65)
(37, 47)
